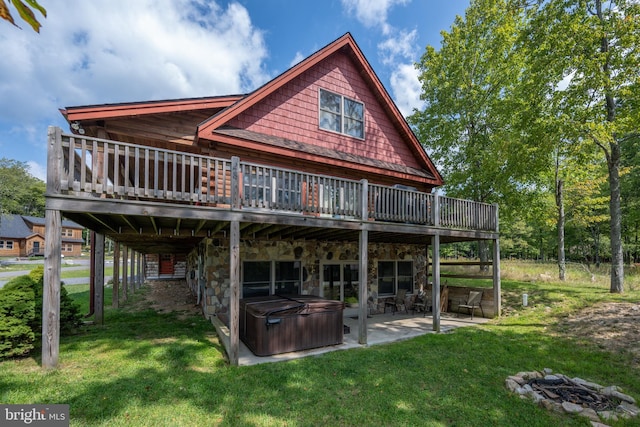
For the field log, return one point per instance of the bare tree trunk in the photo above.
(617, 259)
(483, 253)
(562, 268)
(613, 164)
(595, 232)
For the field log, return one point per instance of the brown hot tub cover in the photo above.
(282, 323)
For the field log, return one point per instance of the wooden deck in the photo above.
(158, 200)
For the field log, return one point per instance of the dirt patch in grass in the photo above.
(611, 326)
(168, 296)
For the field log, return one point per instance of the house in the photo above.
(312, 184)
(23, 236)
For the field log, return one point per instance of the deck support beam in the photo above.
(435, 293)
(234, 297)
(51, 289)
(115, 299)
(125, 266)
(497, 299)
(363, 292)
(98, 279)
(363, 296)
(52, 256)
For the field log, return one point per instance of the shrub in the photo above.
(17, 313)
(21, 313)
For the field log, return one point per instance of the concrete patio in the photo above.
(381, 329)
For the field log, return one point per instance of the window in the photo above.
(257, 279)
(394, 275)
(6, 244)
(262, 278)
(341, 114)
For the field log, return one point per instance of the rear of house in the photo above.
(313, 184)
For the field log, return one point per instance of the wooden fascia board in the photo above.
(99, 112)
(297, 155)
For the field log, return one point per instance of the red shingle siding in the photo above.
(292, 113)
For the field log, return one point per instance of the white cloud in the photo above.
(299, 57)
(117, 50)
(372, 13)
(402, 45)
(398, 47)
(37, 170)
(406, 89)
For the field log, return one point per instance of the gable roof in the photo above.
(345, 43)
(126, 109)
(13, 227)
(35, 220)
(222, 109)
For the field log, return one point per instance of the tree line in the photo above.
(534, 105)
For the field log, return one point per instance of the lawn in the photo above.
(148, 369)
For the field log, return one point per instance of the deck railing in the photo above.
(91, 167)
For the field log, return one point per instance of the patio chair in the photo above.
(396, 302)
(473, 301)
(373, 303)
(421, 303)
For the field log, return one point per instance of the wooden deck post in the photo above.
(51, 289)
(134, 270)
(98, 284)
(115, 303)
(435, 294)
(363, 293)
(497, 299)
(140, 270)
(52, 257)
(125, 279)
(435, 259)
(235, 183)
(132, 267)
(234, 297)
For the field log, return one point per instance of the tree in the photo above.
(20, 192)
(470, 121)
(592, 48)
(24, 11)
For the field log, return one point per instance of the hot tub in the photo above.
(282, 323)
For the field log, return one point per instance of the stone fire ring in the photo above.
(557, 392)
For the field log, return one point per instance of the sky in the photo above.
(110, 51)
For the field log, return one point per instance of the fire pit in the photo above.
(573, 395)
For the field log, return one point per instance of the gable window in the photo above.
(341, 114)
(394, 275)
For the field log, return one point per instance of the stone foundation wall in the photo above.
(212, 257)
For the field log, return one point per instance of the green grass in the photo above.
(148, 369)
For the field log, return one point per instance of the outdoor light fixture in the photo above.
(77, 127)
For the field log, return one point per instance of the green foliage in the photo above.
(21, 313)
(17, 314)
(20, 192)
(24, 11)
(523, 95)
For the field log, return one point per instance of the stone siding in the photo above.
(209, 264)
